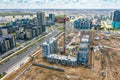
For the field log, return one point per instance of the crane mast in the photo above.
(64, 46)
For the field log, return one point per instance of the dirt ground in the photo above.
(112, 61)
(71, 73)
(109, 62)
(112, 41)
(111, 57)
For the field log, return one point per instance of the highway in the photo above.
(17, 49)
(5, 67)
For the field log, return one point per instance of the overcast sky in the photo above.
(59, 4)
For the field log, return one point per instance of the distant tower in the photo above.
(7, 42)
(52, 18)
(4, 31)
(116, 19)
(29, 33)
(116, 16)
(41, 20)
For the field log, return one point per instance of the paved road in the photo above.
(20, 47)
(17, 59)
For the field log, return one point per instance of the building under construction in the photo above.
(62, 59)
(49, 50)
(82, 53)
(49, 47)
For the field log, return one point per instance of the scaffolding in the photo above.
(82, 55)
(61, 59)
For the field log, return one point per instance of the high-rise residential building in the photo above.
(35, 31)
(4, 31)
(32, 32)
(82, 56)
(2, 46)
(52, 18)
(83, 24)
(116, 16)
(0, 32)
(7, 42)
(20, 35)
(28, 32)
(49, 47)
(116, 19)
(111, 15)
(40, 30)
(43, 28)
(20, 22)
(10, 41)
(41, 20)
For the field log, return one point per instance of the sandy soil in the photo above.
(109, 63)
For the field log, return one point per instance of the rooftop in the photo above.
(83, 45)
(85, 36)
(62, 57)
(84, 40)
(7, 36)
(83, 52)
(49, 41)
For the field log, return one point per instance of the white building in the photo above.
(49, 47)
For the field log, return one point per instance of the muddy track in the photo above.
(112, 66)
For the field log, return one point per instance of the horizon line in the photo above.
(66, 8)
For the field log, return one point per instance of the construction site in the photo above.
(104, 63)
(74, 55)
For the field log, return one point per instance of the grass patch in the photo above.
(60, 28)
(20, 51)
(14, 13)
(2, 75)
(41, 39)
(17, 45)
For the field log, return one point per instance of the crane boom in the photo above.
(64, 35)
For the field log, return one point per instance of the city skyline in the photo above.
(59, 4)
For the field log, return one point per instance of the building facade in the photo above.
(20, 35)
(52, 18)
(49, 47)
(41, 20)
(83, 24)
(116, 19)
(2, 46)
(82, 55)
(28, 33)
(7, 42)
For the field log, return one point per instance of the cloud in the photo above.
(63, 4)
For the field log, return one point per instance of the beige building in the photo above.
(28, 33)
(4, 31)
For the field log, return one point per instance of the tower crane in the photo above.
(91, 46)
(64, 26)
